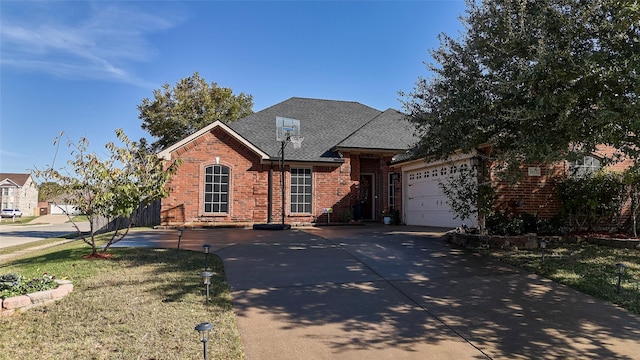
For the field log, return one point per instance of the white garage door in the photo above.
(63, 209)
(426, 205)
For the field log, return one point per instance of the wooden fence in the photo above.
(147, 216)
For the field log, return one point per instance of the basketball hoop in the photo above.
(296, 141)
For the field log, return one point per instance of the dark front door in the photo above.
(366, 196)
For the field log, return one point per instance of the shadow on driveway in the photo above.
(400, 292)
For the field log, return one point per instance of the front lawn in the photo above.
(23, 220)
(142, 304)
(585, 267)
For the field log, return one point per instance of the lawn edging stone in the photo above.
(532, 241)
(20, 303)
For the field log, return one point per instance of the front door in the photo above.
(366, 196)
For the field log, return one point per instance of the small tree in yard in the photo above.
(114, 188)
(469, 193)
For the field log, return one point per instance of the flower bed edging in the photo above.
(25, 302)
(531, 241)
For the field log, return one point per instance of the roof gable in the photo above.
(14, 179)
(166, 153)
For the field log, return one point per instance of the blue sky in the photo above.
(84, 67)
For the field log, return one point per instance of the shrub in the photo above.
(345, 216)
(592, 202)
(14, 285)
(553, 226)
(501, 224)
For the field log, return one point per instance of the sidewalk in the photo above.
(15, 254)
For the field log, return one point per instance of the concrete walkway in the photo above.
(399, 293)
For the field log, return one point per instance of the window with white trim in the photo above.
(301, 191)
(216, 189)
(392, 190)
(584, 167)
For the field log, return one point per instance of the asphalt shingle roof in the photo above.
(388, 131)
(325, 125)
(19, 179)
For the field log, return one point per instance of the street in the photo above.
(45, 227)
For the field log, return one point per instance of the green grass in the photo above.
(585, 267)
(142, 304)
(32, 244)
(80, 218)
(23, 220)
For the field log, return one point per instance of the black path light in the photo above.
(203, 329)
(621, 269)
(206, 278)
(543, 245)
(180, 232)
(206, 248)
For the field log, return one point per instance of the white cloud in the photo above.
(79, 40)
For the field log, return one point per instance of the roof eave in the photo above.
(166, 153)
(328, 162)
(363, 150)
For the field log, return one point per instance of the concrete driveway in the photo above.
(399, 293)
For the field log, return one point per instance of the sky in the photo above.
(82, 68)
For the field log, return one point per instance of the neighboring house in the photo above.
(59, 205)
(19, 191)
(231, 173)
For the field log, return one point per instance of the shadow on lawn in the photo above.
(380, 290)
(175, 274)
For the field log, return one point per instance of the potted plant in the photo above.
(387, 216)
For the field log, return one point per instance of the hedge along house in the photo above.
(231, 173)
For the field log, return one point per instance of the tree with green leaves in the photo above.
(179, 111)
(540, 81)
(469, 194)
(48, 190)
(113, 188)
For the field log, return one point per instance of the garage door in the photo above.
(63, 209)
(426, 205)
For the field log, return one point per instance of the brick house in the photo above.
(535, 193)
(231, 173)
(354, 159)
(19, 191)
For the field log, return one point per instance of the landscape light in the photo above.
(621, 269)
(206, 248)
(543, 245)
(206, 278)
(203, 329)
(180, 231)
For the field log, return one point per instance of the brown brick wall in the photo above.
(537, 194)
(333, 187)
(532, 194)
(248, 181)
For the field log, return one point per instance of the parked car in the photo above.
(8, 213)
